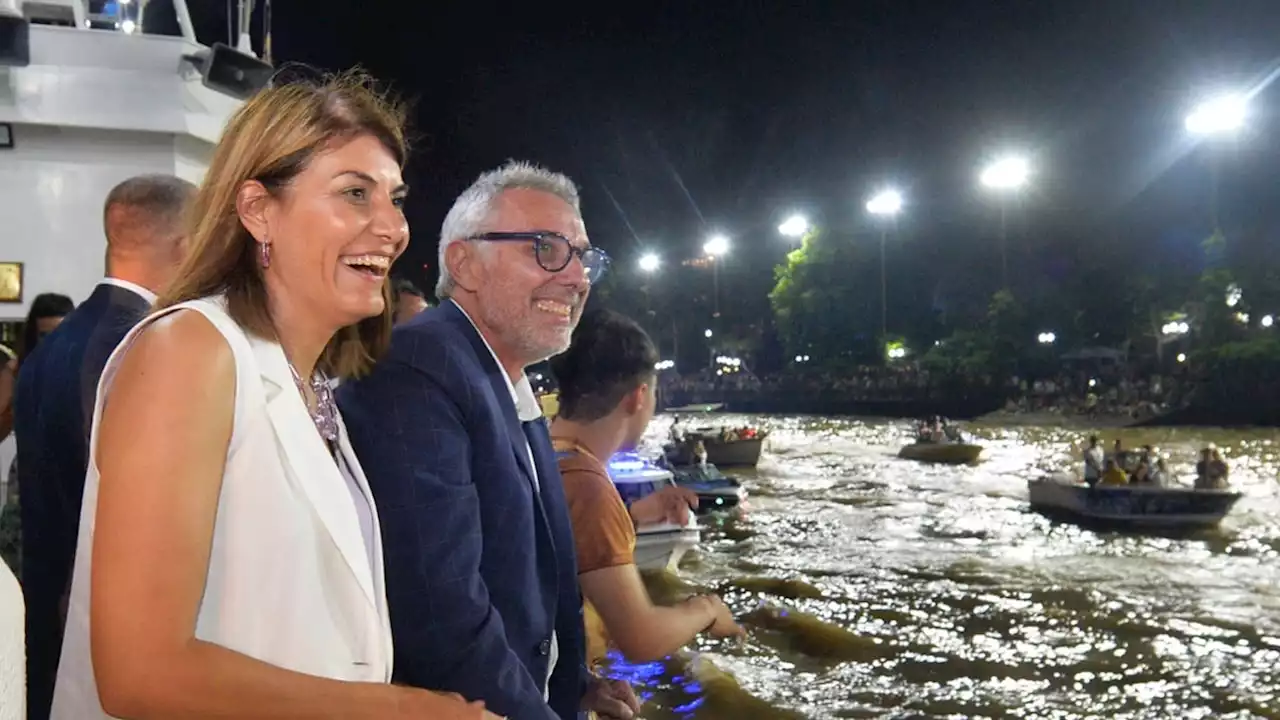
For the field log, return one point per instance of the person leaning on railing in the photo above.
(229, 537)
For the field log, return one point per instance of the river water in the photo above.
(893, 589)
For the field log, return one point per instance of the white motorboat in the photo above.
(661, 546)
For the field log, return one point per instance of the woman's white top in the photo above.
(293, 579)
(13, 646)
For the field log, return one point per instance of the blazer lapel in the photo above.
(501, 392)
(379, 574)
(311, 465)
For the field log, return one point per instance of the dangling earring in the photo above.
(266, 254)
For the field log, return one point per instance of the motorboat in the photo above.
(716, 491)
(1140, 506)
(659, 546)
(724, 447)
(946, 452)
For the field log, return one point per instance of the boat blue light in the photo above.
(627, 462)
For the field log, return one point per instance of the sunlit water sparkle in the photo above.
(972, 605)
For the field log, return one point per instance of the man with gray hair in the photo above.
(54, 399)
(481, 569)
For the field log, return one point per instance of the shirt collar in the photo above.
(527, 405)
(146, 294)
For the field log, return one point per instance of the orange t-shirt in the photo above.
(603, 533)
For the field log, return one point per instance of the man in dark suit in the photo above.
(481, 571)
(54, 400)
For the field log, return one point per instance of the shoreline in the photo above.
(1056, 420)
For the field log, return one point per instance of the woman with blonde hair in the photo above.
(229, 562)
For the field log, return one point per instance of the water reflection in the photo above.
(931, 591)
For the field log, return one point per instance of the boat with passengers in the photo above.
(1162, 507)
(940, 441)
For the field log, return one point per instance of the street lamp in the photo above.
(650, 262)
(794, 227)
(1006, 175)
(1047, 338)
(715, 247)
(1222, 115)
(886, 204)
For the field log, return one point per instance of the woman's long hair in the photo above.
(46, 305)
(271, 139)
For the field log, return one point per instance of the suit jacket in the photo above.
(290, 579)
(53, 402)
(480, 560)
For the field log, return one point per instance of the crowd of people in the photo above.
(244, 495)
(1110, 390)
(1147, 467)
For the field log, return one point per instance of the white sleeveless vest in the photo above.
(13, 657)
(289, 580)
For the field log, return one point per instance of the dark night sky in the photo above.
(680, 118)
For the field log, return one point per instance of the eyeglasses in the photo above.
(554, 252)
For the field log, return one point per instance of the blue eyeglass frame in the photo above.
(594, 260)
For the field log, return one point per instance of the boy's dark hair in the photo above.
(610, 356)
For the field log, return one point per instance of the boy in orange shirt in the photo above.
(606, 383)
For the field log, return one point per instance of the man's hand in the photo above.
(671, 504)
(611, 699)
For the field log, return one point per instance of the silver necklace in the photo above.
(325, 416)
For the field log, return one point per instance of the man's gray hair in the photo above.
(471, 211)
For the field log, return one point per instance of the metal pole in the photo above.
(245, 42)
(675, 341)
(1214, 169)
(884, 304)
(715, 282)
(184, 20)
(1004, 244)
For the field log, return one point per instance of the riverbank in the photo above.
(1071, 421)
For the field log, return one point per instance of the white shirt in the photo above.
(1093, 460)
(13, 670)
(527, 408)
(146, 294)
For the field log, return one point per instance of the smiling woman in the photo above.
(232, 549)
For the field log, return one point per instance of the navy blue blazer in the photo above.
(480, 565)
(53, 410)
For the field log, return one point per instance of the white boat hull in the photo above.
(662, 547)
